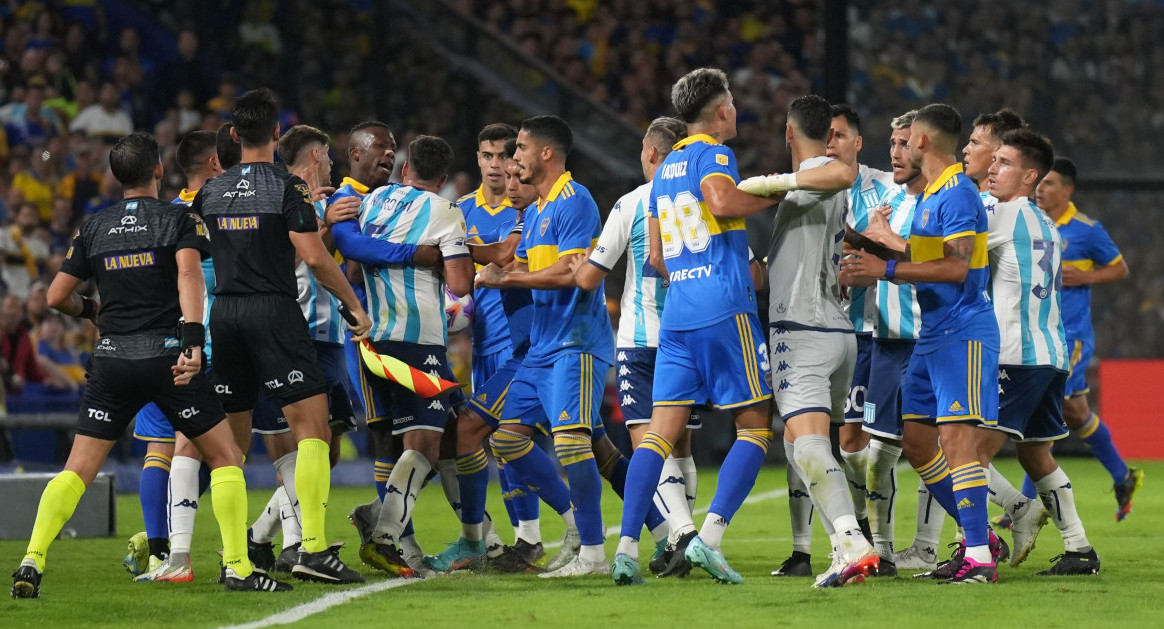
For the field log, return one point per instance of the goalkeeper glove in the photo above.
(768, 185)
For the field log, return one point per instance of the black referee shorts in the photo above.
(262, 341)
(119, 387)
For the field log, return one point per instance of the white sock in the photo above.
(447, 471)
(183, 499)
(690, 479)
(593, 553)
(404, 485)
(629, 546)
(856, 467)
(471, 532)
(285, 465)
(930, 518)
(1057, 496)
(671, 499)
(712, 530)
(981, 554)
(882, 493)
(267, 524)
(826, 481)
(493, 541)
(530, 530)
(289, 518)
(1004, 494)
(659, 533)
(800, 505)
(410, 547)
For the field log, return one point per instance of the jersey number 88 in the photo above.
(681, 224)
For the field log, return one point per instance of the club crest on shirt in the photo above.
(544, 226)
(925, 216)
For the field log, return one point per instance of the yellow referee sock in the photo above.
(57, 504)
(228, 493)
(313, 483)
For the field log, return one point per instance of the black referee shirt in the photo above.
(129, 249)
(249, 209)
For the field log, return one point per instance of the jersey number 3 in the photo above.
(681, 224)
(1054, 277)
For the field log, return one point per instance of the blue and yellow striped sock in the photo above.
(153, 491)
(1095, 434)
(533, 466)
(381, 470)
(507, 494)
(642, 476)
(526, 506)
(737, 474)
(577, 457)
(970, 490)
(936, 476)
(473, 479)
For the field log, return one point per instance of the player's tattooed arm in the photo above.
(960, 248)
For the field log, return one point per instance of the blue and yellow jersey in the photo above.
(483, 224)
(568, 320)
(950, 208)
(1086, 246)
(707, 257)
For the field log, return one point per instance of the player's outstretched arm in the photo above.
(325, 270)
(951, 268)
(62, 296)
(1114, 272)
(556, 276)
(725, 200)
(459, 275)
(499, 253)
(587, 274)
(354, 245)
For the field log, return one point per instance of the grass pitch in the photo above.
(85, 585)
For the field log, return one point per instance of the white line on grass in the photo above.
(327, 601)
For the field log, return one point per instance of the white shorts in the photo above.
(811, 371)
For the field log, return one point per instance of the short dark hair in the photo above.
(229, 151)
(851, 116)
(551, 129)
(134, 158)
(1035, 149)
(941, 118)
(664, 132)
(495, 132)
(429, 157)
(193, 150)
(692, 93)
(255, 116)
(813, 115)
(1001, 121)
(369, 124)
(296, 139)
(510, 148)
(1066, 169)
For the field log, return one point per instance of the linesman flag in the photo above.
(423, 383)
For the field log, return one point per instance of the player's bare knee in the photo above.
(1036, 459)
(852, 438)
(426, 442)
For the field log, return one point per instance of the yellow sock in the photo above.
(313, 484)
(57, 504)
(228, 493)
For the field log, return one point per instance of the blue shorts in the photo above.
(957, 382)
(636, 379)
(568, 391)
(724, 364)
(1081, 352)
(152, 425)
(502, 397)
(888, 363)
(486, 365)
(1030, 403)
(406, 410)
(859, 390)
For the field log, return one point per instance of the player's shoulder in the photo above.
(630, 201)
(1085, 219)
(467, 200)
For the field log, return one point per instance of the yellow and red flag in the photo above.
(423, 383)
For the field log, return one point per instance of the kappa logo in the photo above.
(956, 407)
(780, 348)
(672, 480)
(186, 502)
(622, 357)
(625, 385)
(782, 366)
(796, 493)
(627, 400)
(624, 371)
(1002, 375)
(875, 495)
(294, 376)
(784, 385)
(432, 360)
(436, 406)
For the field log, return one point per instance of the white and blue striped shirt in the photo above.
(320, 307)
(406, 303)
(1026, 268)
(643, 293)
(870, 191)
(898, 313)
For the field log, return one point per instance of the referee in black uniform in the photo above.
(145, 256)
(260, 219)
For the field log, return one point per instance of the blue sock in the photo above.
(936, 476)
(642, 477)
(1029, 489)
(526, 506)
(473, 479)
(380, 473)
(1095, 434)
(614, 470)
(507, 495)
(533, 466)
(153, 490)
(737, 474)
(971, 492)
(577, 457)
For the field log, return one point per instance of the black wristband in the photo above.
(88, 308)
(193, 335)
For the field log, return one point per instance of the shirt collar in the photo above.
(692, 139)
(187, 196)
(1068, 214)
(944, 178)
(357, 186)
(556, 190)
(481, 202)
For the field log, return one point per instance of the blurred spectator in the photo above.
(24, 251)
(18, 364)
(104, 119)
(82, 184)
(36, 182)
(59, 363)
(33, 122)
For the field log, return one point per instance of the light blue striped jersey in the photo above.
(898, 313)
(186, 197)
(1026, 268)
(320, 307)
(871, 190)
(643, 292)
(407, 303)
